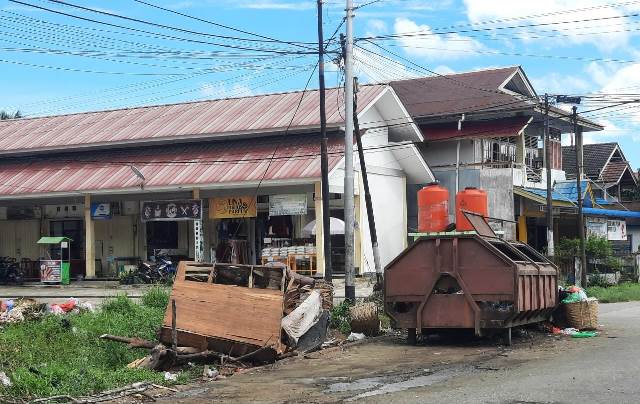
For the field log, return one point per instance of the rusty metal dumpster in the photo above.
(471, 280)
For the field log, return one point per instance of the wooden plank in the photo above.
(247, 315)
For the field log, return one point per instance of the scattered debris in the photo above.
(4, 380)
(170, 377)
(354, 336)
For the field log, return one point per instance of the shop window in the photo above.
(162, 235)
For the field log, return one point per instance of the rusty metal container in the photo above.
(433, 208)
(469, 280)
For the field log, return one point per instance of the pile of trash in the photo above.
(16, 311)
(577, 315)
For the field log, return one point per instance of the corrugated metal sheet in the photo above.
(167, 166)
(263, 113)
(503, 127)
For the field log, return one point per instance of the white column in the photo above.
(89, 237)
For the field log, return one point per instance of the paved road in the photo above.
(601, 370)
(537, 369)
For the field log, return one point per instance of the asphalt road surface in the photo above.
(602, 370)
(539, 368)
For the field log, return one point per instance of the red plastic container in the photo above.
(472, 200)
(433, 208)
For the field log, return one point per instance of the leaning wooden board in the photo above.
(237, 314)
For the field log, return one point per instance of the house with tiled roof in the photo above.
(484, 129)
(604, 164)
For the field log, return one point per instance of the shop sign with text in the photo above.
(184, 209)
(291, 204)
(232, 207)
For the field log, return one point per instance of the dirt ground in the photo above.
(369, 370)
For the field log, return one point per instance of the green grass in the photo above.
(624, 292)
(63, 355)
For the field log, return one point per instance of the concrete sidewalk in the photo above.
(97, 291)
(89, 291)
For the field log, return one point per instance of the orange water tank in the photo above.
(472, 200)
(433, 208)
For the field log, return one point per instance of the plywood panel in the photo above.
(246, 315)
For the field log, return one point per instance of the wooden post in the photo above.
(174, 330)
(319, 229)
(89, 237)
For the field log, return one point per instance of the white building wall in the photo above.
(388, 194)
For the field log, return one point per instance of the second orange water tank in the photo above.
(433, 208)
(472, 200)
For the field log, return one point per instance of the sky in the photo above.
(56, 58)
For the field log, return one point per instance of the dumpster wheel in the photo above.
(412, 338)
(507, 336)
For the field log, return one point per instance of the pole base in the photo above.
(350, 293)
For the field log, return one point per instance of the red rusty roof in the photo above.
(166, 167)
(500, 127)
(215, 118)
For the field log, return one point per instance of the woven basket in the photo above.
(582, 315)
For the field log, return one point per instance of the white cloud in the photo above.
(376, 26)
(426, 45)
(556, 83)
(219, 90)
(277, 5)
(607, 35)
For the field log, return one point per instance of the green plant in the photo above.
(157, 296)
(64, 356)
(623, 292)
(340, 317)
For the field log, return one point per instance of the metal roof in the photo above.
(261, 114)
(169, 167)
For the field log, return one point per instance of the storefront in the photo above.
(212, 182)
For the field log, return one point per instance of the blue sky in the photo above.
(112, 67)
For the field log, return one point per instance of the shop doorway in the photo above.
(161, 235)
(73, 229)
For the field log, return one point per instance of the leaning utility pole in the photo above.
(547, 163)
(324, 159)
(349, 221)
(579, 168)
(367, 194)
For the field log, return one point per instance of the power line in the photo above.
(158, 35)
(270, 39)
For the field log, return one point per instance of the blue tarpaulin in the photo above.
(611, 213)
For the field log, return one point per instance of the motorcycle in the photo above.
(159, 270)
(10, 271)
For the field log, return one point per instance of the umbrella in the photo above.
(336, 225)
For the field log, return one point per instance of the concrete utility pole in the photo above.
(579, 169)
(547, 163)
(349, 221)
(367, 196)
(324, 159)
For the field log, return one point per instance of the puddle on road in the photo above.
(375, 386)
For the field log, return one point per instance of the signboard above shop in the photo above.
(100, 211)
(183, 209)
(290, 204)
(232, 207)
